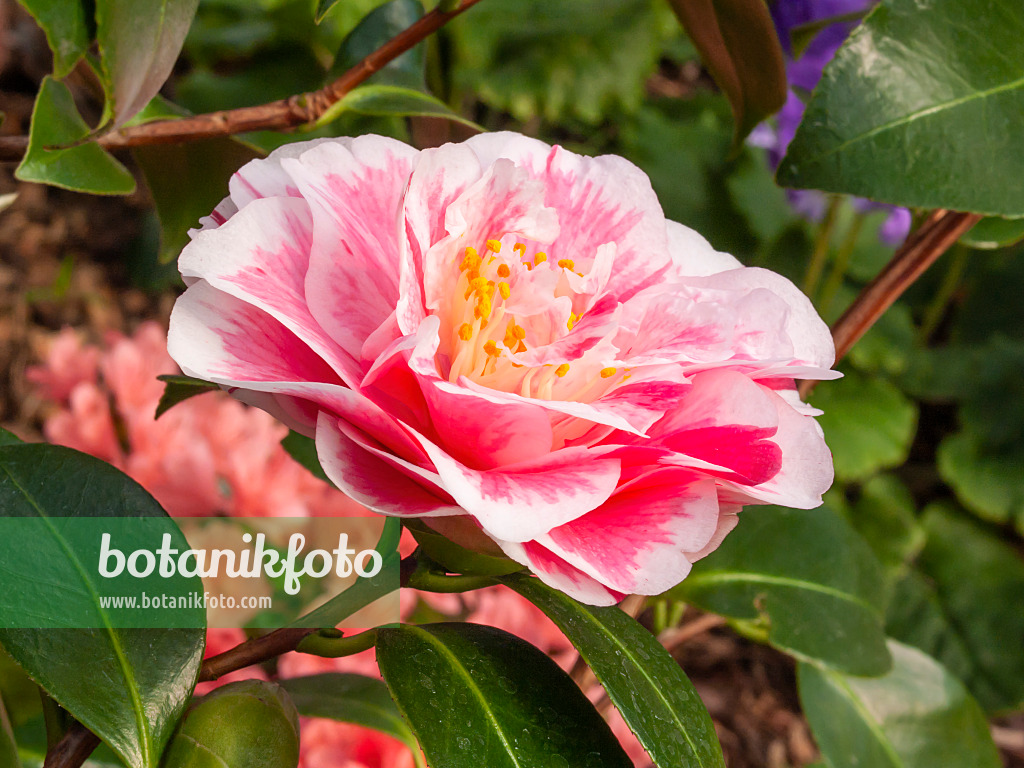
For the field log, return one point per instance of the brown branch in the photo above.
(292, 112)
(929, 241)
(253, 651)
(72, 750)
(674, 637)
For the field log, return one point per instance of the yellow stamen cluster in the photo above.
(514, 335)
(573, 319)
(494, 245)
(481, 286)
(561, 370)
(566, 263)
(607, 373)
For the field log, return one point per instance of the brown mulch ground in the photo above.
(749, 689)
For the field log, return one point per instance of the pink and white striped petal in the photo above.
(557, 573)
(693, 256)
(599, 200)
(727, 421)
(372, 481)
(806, 470)
(636, 541)
(261, 256)
(355, 194)
(522, 501)
(214, 335)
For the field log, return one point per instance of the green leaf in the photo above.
(136, 682)
(884, 515)
(179, 389)
(303, 450)
(350, 698)
(809, 575)
(8, 749)
(921, 108)
(755, 193)
(322, 8)
(869, 424)
(8, 438)
(19, 693)
(83, 167)
(67, 30)
(186, 180)
(391, 100)
(649, 688)
(582, 59)
(917, 716)
(739, 46)
(477, 696)
(139, 43)
(376, 28)
(994, 232)
(962, 605)
(989, 483)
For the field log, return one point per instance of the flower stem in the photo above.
(327, 646)
(937, 307)
(839, 266)
(816, 266)
(432, 581)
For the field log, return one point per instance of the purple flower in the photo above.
(804, 72)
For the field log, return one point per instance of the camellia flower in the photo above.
(509, 341)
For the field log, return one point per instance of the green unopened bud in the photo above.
(249, 724)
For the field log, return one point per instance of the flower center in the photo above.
(486, 340)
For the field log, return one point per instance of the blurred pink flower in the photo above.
(511, 335)
(209, 455)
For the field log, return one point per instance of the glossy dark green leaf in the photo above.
(8, 749)
(994, 232)
(739, 46)
(350, 698)
(377, 27)
(66, 25)
(180, 388)
(649, 688)
(869, 424)
(139, 43)
(8, 438)
(477, 696)
(921, 108)
(303, 450)
(83, 168)
(136, 682)
(186, 180)
(916, 716)
(809, 576)
(962, 604)
(391, 100)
